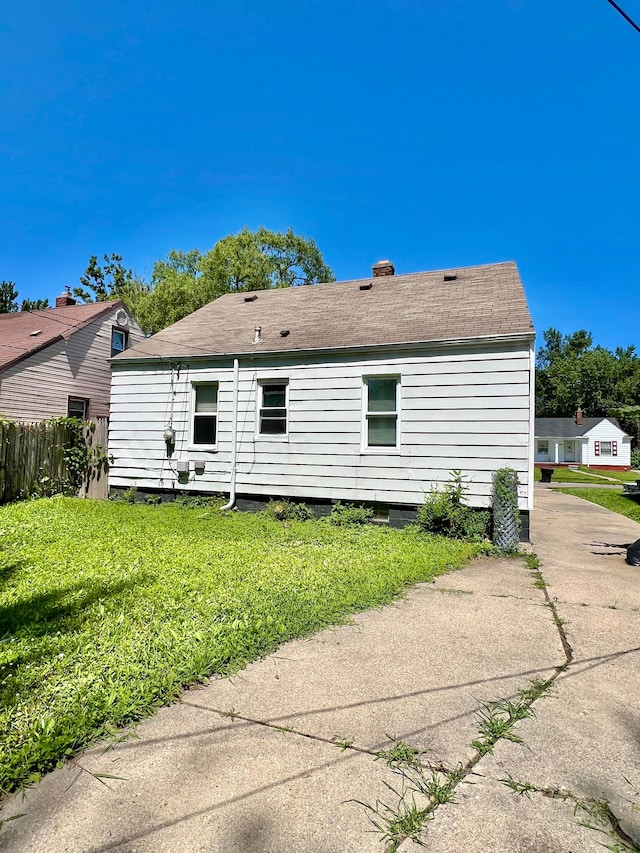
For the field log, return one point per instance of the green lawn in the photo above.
(588, 475)
(610, 499)
(107, 610)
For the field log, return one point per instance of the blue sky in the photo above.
(436, 133)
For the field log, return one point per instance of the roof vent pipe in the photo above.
(257, 336)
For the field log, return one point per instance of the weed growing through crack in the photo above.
(422, 789)
(399, 754)
(496, 721)
(595, 814)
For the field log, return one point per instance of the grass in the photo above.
(588, 475)
(609, 499)
(108, 609)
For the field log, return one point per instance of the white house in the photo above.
(54, 362)
(368, 391)
(596, 442)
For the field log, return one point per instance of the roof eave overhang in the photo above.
(255, 352)
(8, 364)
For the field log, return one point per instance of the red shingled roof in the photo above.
(27, 332)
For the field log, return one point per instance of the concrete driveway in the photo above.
(277, 759)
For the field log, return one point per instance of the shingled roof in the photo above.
(26, 332)
(445, 305)
(567, 427)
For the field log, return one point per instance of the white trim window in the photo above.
(78, 407)
(605, 448)
(204, 430)
(381, 413)
(119, 340)
(273, 408)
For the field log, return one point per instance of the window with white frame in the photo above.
(605, 448)
(119, 340)
(543, 446)
(272, 410)
(381, 409)
(205, 414)
(78, 407)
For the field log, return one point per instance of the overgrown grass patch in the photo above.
(610, 499)
(108, 609)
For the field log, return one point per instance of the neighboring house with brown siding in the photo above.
(371, 390)
(55, 362)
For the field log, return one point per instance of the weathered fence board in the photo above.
(32, 458)
(97, 486)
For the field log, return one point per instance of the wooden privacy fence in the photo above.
(97, 486)
(32, 459)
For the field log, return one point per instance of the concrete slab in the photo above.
(488, 818)
(417, 670)
(195, 782)
(583, 548)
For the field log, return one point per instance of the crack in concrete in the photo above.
(469, 767)
(230, 714)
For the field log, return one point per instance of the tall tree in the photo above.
(8, 297)
(101, 283)
(572, 372)
(34, 304)
(249, 260)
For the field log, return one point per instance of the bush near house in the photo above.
(445, 513)
(108, 609)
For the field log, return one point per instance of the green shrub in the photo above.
(635, 458)
(343, 515)
(476, 524)
(443, 512)
(288, 511)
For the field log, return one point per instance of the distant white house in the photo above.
(54, 362)
(370, 391)
(596, 442)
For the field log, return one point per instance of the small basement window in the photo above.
(272, 414)
(205, 414)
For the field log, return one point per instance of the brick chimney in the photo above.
(579, 417)
(65, 299)
(383, 268)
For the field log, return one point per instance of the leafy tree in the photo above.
(8, 297)
(34, 304)
(102, 283)
(178, 287)
(249, 260)
(571, 372)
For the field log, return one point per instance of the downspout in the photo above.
(234, 436)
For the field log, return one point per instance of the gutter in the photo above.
(234, 436)
(526, 337)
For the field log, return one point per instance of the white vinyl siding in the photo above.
(465, 408)
(606, 438)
